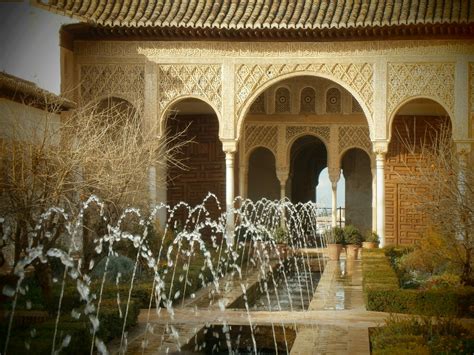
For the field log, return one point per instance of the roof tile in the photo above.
(257, 14)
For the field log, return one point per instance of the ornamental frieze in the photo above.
(175, 49)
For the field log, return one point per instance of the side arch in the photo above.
(411, 98)
(163, 116)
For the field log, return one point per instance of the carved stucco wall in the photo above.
(122, 80)
(431, 80)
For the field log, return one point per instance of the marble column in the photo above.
(374, 199)
(282, 175)
(380, 171)
(229, 195)
(161, 193)
(334, 176)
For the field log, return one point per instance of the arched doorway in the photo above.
(356, 167)
(263, 182)
(416, 123)
(202, 155)
(308, 157)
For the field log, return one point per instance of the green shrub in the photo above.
(382, 292)
(421, 336)
(352, 235)
(371, 237)
(335, 236)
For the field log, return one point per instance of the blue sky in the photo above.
(29, 45)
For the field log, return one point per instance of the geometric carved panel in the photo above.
(261, 136)
(432, 80)
(125, 80)
(354, 137)
(175, 80)
(323, 132)
(251, 77)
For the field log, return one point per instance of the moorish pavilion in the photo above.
(274, 92)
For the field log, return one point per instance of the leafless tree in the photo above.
(447, 194)
(60, 160)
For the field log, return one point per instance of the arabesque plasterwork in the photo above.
(122, 80)
(252, 78)
(410, 80)
(184, 80)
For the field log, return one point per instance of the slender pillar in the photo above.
(243, 176)
(334, 204)
(334, 176)
(380, 167)
(374, 199)
(282, 175)
(229, 195)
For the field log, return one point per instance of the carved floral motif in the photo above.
(322, 132)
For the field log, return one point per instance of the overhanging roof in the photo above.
(261, 17)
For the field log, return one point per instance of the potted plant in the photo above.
(335, 242)
(371, 240)
(281, 239)
(353, 240)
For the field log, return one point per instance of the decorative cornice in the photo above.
(426, 31)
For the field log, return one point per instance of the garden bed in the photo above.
(383, 293)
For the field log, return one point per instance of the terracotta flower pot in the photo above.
(352, 252)
(334, 251)
(369, 245)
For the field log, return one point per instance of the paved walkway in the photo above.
(336, 321)
(339, 290)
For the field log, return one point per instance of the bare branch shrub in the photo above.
(60, 159)
(446, 197)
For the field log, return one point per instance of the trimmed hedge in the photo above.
(383, 293)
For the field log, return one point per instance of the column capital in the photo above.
(380, 147)
(229, 145)
(334, 174)
(282, 174)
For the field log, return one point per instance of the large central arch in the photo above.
(335, 73)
